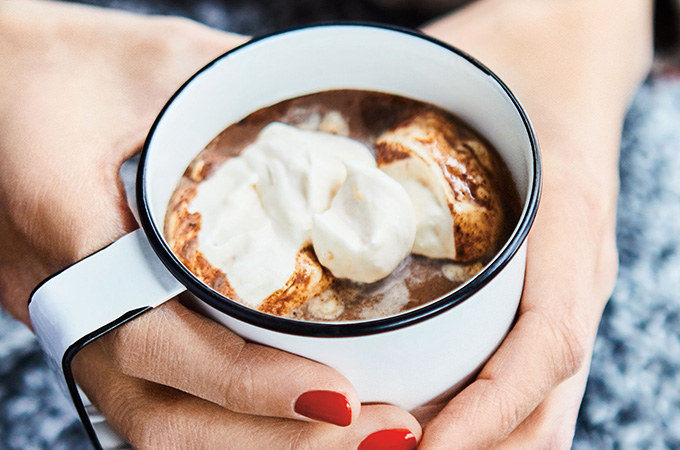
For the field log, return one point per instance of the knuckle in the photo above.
(507, 403)
(240, 385)
(141, 435)
(156, 431)
(554, 433)
(572, 343)
(117, 344)
(144, 437)
(126, 344)
(567, 337)
(554, 426)
(509, 411)
(302, 441)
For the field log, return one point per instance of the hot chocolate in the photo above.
(342, 205)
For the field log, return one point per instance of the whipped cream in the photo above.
(293, 188)
(368, 229)
(257, 208)
(425, 184)
(236, 231)
(299, 173)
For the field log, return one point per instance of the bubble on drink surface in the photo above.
(392, 301)
(334, 123)
(325, 306)
(459, 273)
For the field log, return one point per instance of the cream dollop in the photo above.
(236, 231)
(299, 172)
(257, 208)
(368, 229)
(425, 184)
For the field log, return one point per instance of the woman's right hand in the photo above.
(172, 379)
(79, 89)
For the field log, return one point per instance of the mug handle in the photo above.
(90, 298)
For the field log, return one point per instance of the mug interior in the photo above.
(290, 64)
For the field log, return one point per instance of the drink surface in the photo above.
(313, 293)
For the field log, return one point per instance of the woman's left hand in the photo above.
(575, 66)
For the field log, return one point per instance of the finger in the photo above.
(538, 353)
(152, 416)
(174, 346)
(560, 309)
(551, 425)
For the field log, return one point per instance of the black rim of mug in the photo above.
(340, 329)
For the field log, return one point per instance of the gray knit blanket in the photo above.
(632, 399)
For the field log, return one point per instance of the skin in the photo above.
(574, 66)
(72, 108)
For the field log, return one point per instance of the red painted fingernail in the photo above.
(398, 439)
(326, 406)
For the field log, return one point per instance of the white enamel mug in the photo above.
(410, 359)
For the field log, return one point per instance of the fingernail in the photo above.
(325, 406)
(398, 439)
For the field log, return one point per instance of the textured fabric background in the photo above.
(633, 395)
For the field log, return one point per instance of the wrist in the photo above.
(575, 50)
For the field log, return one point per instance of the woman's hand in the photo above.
(575, 66)
(79, 89)
(172, 379)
